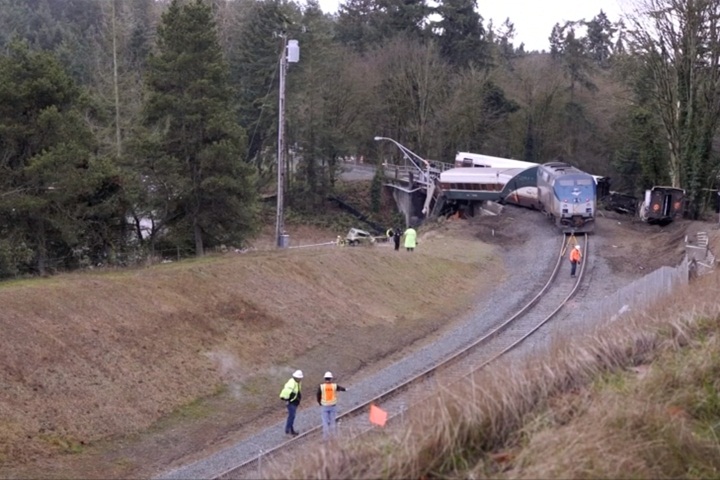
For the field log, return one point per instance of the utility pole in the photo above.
(290, 53)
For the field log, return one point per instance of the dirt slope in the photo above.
(114, 374)
(122, 374)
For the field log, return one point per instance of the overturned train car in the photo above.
(662, 205)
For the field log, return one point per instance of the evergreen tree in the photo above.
(599, 39)
(57, 200)
(254, 60)
(364, 24)
(356, 25)
(640, 156)
(461, 33)
(406, 17)
(200, 186)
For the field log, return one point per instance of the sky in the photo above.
(533, 19)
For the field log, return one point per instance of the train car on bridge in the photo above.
(475, 184)
(477, 160)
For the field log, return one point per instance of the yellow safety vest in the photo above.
(290, 390)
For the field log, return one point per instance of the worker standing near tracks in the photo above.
(410, 239)
(575, 258)
(397, 233)
(327, 399)
(291, 394)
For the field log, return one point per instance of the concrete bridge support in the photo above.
(410, 203)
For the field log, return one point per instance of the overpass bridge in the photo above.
(414, 185)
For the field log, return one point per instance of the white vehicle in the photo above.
(356, 237)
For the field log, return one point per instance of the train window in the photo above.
(584, 181)
(566, 183)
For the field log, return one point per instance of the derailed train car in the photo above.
(662, 205)
(567, 195)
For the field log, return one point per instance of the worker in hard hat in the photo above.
(327, 399)
(291, 395)
(396, 238)
(575, 258)
(410, 239)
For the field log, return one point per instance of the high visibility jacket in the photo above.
(327, 393)
(410, 238)
(291, 391)
(575, 255)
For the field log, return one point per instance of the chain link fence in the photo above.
(645, 291)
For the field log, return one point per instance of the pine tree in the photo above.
(599, 39)
(462, 38)
(57, 200)
(199, 185)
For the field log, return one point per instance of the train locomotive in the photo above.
(568, 196)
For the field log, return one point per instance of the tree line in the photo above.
(129, 127)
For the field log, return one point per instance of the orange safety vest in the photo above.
(575, 255)
(328, 395)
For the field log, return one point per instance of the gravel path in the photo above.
(528, 244)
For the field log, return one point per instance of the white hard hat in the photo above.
(298, 374)
(577, 247)
(328, 375)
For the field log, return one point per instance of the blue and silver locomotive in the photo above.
(567, 195)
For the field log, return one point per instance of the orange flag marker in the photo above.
(378, 416)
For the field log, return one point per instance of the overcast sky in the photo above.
(533, 19)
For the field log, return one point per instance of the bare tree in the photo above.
(413, 88)
(678, 42)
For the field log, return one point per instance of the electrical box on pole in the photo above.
(290, 53)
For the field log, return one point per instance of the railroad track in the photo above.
(517, 328)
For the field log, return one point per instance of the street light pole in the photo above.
(290, 53)
(407, 153)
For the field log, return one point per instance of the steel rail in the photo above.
(444, 363)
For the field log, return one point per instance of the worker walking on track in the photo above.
(291, 394)
(410, 239)
(327, 399)
(575, 258)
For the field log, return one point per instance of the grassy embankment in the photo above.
(635, 399)
(97, 356)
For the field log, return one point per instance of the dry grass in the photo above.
(637, 399)
(90, 357)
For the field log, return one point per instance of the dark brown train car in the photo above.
(662, 205)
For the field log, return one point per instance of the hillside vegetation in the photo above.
(92, 357)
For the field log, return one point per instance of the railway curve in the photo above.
(499, 306)
(538, 310)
